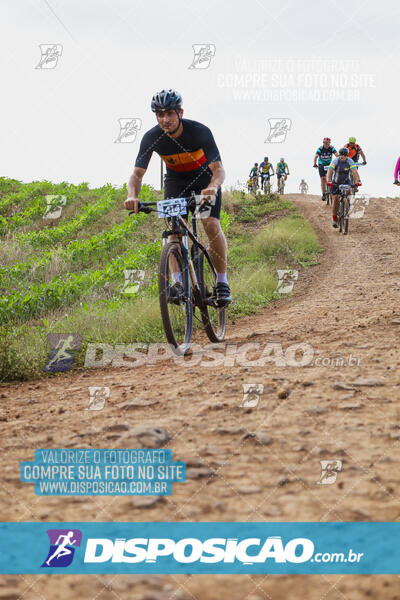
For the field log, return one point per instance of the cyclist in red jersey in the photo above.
(193, 164)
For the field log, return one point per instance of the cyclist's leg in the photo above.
(335, 202)
(216, 237)
(218, 251)
(350, 192)
(322, 174)
(217, 242)
(171, 191)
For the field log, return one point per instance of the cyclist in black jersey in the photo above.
(193, 164)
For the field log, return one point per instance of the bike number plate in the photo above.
(172, 207)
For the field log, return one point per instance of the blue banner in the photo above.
(200, 548)
(100, 472)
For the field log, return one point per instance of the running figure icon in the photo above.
(62, 549)
(64, 347)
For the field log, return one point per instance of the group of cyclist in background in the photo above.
(263, 172)
(337, 169)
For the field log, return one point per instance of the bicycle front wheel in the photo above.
(213, 317)
(175, 305)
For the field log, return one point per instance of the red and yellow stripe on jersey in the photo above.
(184, 161)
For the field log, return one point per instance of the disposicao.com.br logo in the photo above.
(201, 547)
(247, 551)
(191, 550)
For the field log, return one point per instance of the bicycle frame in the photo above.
(344, 190)
(180, 229)
(266, 181)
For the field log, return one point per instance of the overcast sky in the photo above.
(330, 69)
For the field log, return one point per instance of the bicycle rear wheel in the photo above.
(213, 317)
(176, 311)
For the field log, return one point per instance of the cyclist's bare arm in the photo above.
(217, 179)
(363, 155)
(315, 160)
(356, 175)
(134, 185)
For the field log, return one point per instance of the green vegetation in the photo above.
(68, 276)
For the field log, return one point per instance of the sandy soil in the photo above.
(347, 305)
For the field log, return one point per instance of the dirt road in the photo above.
(255, 464)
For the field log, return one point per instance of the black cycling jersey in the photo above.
(187, 157)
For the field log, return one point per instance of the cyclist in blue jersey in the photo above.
(324, 156)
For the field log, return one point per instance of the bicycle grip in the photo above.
(141, 208)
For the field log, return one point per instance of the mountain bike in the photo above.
(344, 207)
(266, 182)
(197, 271)
(255, 184)
(281, 184)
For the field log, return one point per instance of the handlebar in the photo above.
(344, 185)
(146, 207)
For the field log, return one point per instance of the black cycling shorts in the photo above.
(335, 187)
(173, 189)
(321, 169)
